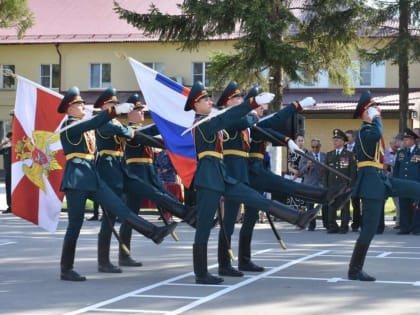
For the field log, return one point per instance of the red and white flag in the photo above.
(37, 155)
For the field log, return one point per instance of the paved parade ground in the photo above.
(307, 278)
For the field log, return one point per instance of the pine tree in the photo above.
(16, 14)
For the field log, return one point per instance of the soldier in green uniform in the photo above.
(81, 181)
(407, 166)
(211, 180)
(372, 185)
(141, 180)
(343, 161)
(264, 180)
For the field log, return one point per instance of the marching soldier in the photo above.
(141, 179)
(407, 166)
(263, 179)
(372, 185)
(343, 161)
(81, 181)
(212, 181)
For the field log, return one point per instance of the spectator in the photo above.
(389, 163)
(313, 175)
(355, 201)
(6, 151)
(343, 161)
(169, 177)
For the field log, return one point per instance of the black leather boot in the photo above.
(223, 258)
(202, 276)
(67, 261)
(244, 256)
(175, 207)
(311, 193)
(356, 263)
(124, 258)
(291, 215)
(156, 234)
(104, 264)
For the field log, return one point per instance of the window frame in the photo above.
(102, 83)
(205, 79)
(4, 77)
(50, 76)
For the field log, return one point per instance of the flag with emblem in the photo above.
(37, 155)
(165, 99)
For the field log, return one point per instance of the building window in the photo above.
(50, 76)
(368, 74)
(7, 81)
(157, 66)
(200, 73)
(365, 72)
(321, 81)
(100, 75)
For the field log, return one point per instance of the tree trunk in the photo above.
(403, 63)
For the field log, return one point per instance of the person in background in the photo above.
(407, 166)
(169, 177)
(313, 174)
(389, 164)
(355, 202)
(6, 151)
(343, 161)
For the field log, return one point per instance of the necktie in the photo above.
(337, 153)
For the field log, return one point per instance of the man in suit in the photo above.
(407, 166)
(355, 202)
(313, 174)
(344, 162)
(372, 185)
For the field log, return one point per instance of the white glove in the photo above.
(307, 102)
(373, 112)
(264, 98)
(293, 147)
(124, 108)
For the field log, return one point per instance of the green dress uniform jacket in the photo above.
(110, 139)
(372, 184)
(407, 166)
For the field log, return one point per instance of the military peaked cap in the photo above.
(365, 101)
(408, 133)
(108, 96)
(72, 97)
(135, 99)
(339, 134)
(230, 91)
(254, 91)
(197, 92)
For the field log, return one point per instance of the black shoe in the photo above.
(229, 271)
(403, 233)
(71, 275)
(127, 261)
(396, 227)
(8, 210)
(311, 228)
(355, 229)
(343, 231)
(250, 266)
(360, 275)
(416, 233)
(208, 279)
(109, 268)
(93, 218)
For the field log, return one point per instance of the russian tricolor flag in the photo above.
(165, 99)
